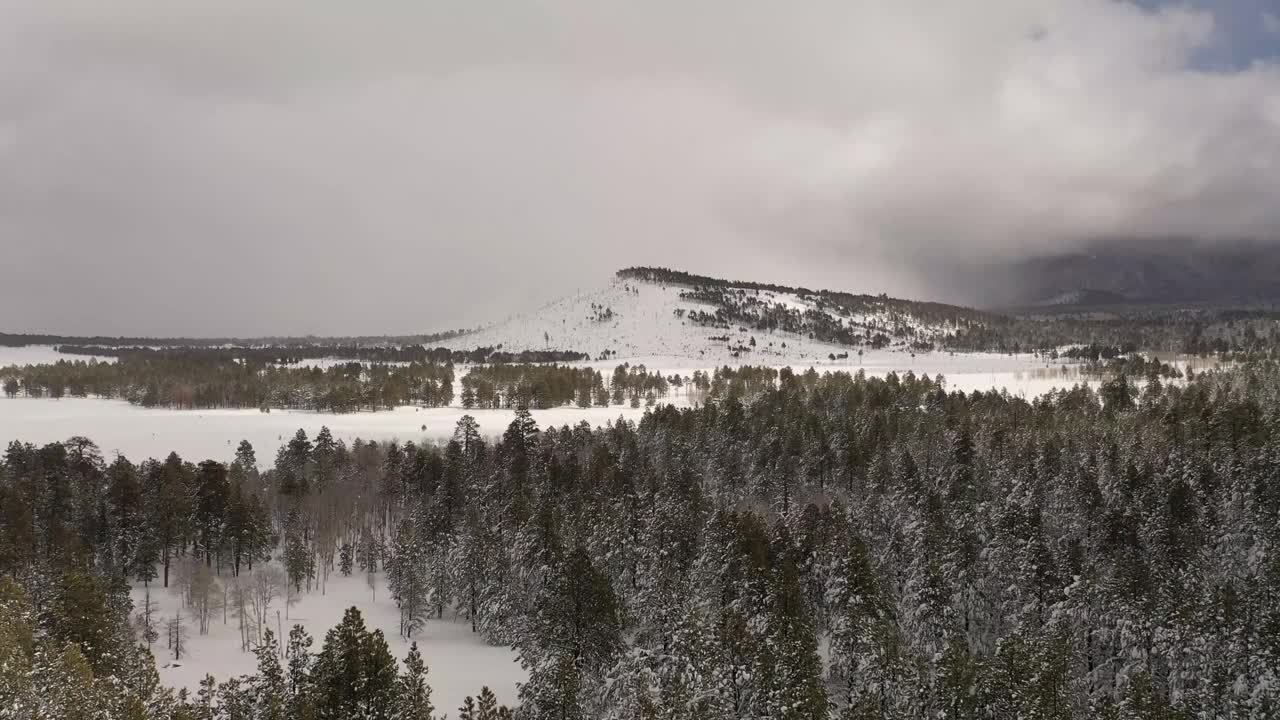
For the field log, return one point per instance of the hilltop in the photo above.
(645, 312)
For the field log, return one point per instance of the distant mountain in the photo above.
(1084, 297)
(1164, 272)
(656, 312)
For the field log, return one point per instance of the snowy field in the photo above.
(40, 355)
(139, 433)
(459, 661)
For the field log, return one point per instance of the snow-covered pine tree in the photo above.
(345, 558)
(407, 578)
(414, 702)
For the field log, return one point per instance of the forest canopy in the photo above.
(1108, 553)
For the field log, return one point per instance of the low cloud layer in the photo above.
(248, 167)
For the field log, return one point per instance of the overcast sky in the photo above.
(272, 166)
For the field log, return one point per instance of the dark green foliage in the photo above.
(354, 675)
(414, 702)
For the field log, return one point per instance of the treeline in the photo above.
(1093, 352)
(546, 386)
(1197, 331)
(634, 383)
(294, 354)
(1090, 554)
(23, 339)
(195, 379)
(1117, 360)
(532, 386)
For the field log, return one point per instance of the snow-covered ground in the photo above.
(139, 433)
(40, 355)
(644, 323)
(459, 661)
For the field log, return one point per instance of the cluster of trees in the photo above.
(75, 660)
(1093, 352)
(532, 386)
(835, 317)
(208, 378)
(633, 383)
(600, 313)
(545, 386)
(63, 504)
(1108, 554)
(1201, 331)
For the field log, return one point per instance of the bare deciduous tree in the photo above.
(268, 583)
(206, 595)
(176, 630)
(146, 619)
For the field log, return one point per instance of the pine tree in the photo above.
(168, 508)
(789, 663)
(124, 496)
(299, 658)
(209, 514)
(415, 695)
(487, 707)
(345, 555)
(574, 636)
(355, 674)
(235, 701)
(206, 699)
(81, 615)
(299, 562)
(270, 695)
(407, 580)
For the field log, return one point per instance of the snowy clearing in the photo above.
(460, 662)
(139, 433)
(41, 355)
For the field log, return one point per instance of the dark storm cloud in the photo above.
(285, 167)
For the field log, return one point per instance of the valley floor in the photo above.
(139, 432)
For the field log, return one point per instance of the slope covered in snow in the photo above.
(640, 316)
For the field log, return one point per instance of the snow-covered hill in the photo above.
(634, 318)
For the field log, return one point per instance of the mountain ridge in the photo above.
(1141, 273)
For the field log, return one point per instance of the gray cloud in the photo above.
(243, 167)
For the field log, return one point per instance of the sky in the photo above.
(254, 167)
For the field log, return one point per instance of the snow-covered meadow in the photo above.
(459, 661)
(139, 433)
(40, 355)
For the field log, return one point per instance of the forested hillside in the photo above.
(801, 546)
